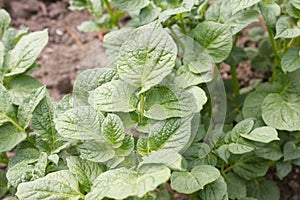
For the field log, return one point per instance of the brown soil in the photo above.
(70, 51)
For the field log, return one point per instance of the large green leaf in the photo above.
(216, 190)
(184, 6)
(147, 56)
(79, 123)
(284, 29)
(129, 5)
(190, 182)
(282, 112)
(10, 136)
(236, 186)
(21, 86)
(263, 134)
(29, 104)
(263, 189)
(85, 171)
(6, 106)
(215, 38)
(291, 60)
(96, 151)
(121, 183)
(113, 129)
(4, 22)
(242, 4)
(115, 96)
(271, 151)
(89, 80)
(170, 158)
(56, 185)
(252, 104)
(25, 52)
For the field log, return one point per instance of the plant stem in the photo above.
(182, 25)
(4, 158)
(176, 38)
(111, 14)
(142, 102)
(235, 81)
(14, 123)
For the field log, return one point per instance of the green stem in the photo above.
(235, 81)
(176, 38)
(111, 14)
(4, 158)
(141, 107)
(14, 123)
(182, 25)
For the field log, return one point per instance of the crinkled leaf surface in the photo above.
(4, 22)
(79, 123)
(215, 38)
(214, 191)
(85, 171)
(282, 112)
(26, 52)
(242, 127)
(284, 29)
(115, 96)
(10, 136)
(121, 183)
(56, 185)
(291, 60)
(96, 151)
(113, 130)
(147, 56)
(263, 134)
(190, 182)
(236, 148)
(242, 4)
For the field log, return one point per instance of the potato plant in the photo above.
(154, 121)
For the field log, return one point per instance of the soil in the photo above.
(70, 51)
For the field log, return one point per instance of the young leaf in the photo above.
(291, 151)
(215, 38)
(113, 129)
(283, 169)
(236, 186)
(147, 57)
(264, 134)
(6, 105)
(236, 148)
(149, 14)
(85, 171)
(115, 96)
(10, 136)
(26, 52)
(282, 112)
(127, 146)
(79, 123)
(56, 185)
(214, 191)
(284, 29)
(89, 80)
(243, 127)
(4, 22)
(263, 189)
(190, 182)
(242, 4)
(96, 151)
(291, 60)
(121, 183)
(170, 158)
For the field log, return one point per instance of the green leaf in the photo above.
(291, 151)
(214, 191)
(291, 60)
(242, 4)
(4, 22)
(236, 148)
(283, 169)
(270, 12)
(263, 189)
(184, 6)
(243, 127)
(253, 103)
(293, 8)
(250, 167)
(169, 158)
(147, 57)
(215, 38)
(282, 112)
(96, 151)
(264, 134)
(190, 182)
(79, 123)
(121, 183)
(3, 183)
(127, 146)
(271, 151)
(236, 56)
(165, 102)
(78, 4)
(284, 29)
(223, 152)
(47, 139)
(130, 5)
(25, 52)
(115, 96)
(21, 86)
(113, 41)
(149, 14)
(113, 129)
(85, 171)
(10, 136)
(89, 80)
(236, 186)
(29, 104)
(56, 185)
(6, 106)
